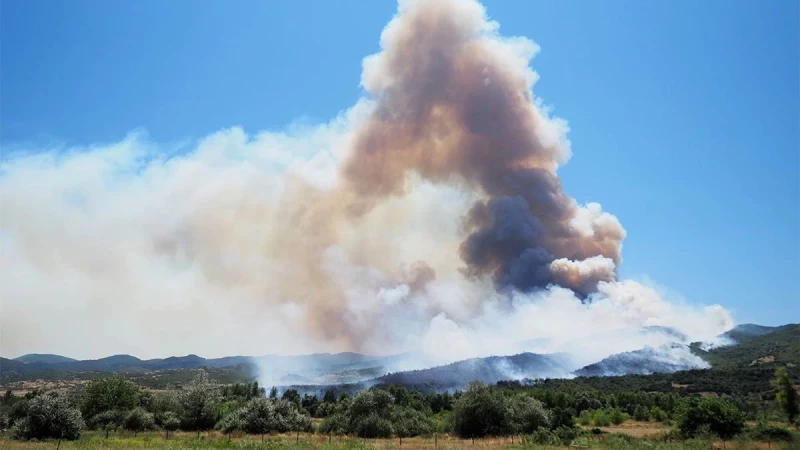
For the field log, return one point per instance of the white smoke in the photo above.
(136, 247)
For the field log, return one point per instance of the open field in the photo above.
(156, 441)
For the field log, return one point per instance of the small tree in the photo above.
(232, 422)
(107, 394)
(786, 394)
(480, 411)
(713, 414)
(170, 422)
(616, 416)
(199, 403)
(258, 417)
(641, 413)
(370, 414)
(49, 417)
(336, 423)
(408, 422)
(528, 414)
(139, 420)
(108, 421)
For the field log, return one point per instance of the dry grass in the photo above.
(636, 429)
(154, 441)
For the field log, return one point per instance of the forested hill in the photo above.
(746, 368)
(781, 345)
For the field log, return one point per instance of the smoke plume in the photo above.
(428, 215)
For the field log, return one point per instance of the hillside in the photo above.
(746, 368)
(43, 358)
(489, 370)
(646, 361)
(780, 345)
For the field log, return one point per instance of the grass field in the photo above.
(623, 437)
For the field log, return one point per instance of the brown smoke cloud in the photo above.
(451, 109)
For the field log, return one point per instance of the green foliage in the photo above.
(771, 433)
(600, 419)
(444, 421)
(641, 413)
(198, 405)
(544, 437)
(617, 417)
(786, 394)
(170, 421)
(336, 423)
(408, 422)
(231, 422)
(528, 414)
(372, 426)
(49, 417)
(265, 415)
(370, 413)
(658, 414)
(782, 344)
(480, 411)
(138, 420)
(710, 415)
(107, 394)
(108, 420)
(291, 395)
(585, 418)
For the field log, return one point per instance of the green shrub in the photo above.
(710, 415)
(544, 437)
(600, 419)
(617, 417)
(641, 413)
(372, 426)
(769, 432)
(49, 417)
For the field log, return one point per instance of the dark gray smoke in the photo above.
(452, 109)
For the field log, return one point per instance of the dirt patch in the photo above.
(635, 429)
(679, 386)
(764, 360)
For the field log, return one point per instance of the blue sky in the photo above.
(684, 115)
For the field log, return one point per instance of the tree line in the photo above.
(545, 415)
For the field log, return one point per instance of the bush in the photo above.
(585, 418)
(336, 423)
(49, 417)
(528, 414)
(198, 405)
(617, 417)
(544, 437)
(710, 415)
(408, 422)
(567, 434)
(169, 422)
(139, 420)
(107, 420)
(107, 394)
(600, 419)
(231, 422)
(641, 413)
(658, 414)
(769, 432)
(481, 411)
(372, 426)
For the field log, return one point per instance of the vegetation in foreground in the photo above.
(121, 415)
(747, 402)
